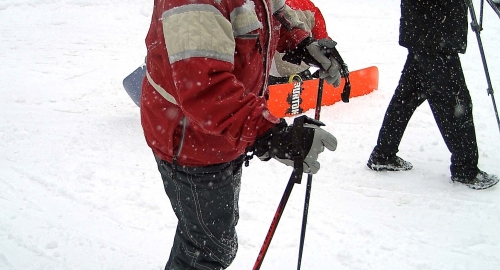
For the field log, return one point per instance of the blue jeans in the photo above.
(205, 201)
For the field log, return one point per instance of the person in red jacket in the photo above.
(315, 23)
(203, 110)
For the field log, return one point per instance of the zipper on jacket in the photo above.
(259, 45)
(266, 60)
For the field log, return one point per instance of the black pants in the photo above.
(437, 78)
(205, 201)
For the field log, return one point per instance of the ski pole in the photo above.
(274, 224)
(477, 29)
(309, 179)
(295, 178)
(494, 7)
(481, 9)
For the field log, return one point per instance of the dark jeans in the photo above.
(437, 78)
(205, 201)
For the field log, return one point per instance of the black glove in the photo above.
(317, 53)
(278, 143)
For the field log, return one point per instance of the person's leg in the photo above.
(407, 97)
(205, 201)
(451, 106)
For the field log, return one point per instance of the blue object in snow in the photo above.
(133, 84)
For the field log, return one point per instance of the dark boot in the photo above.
(481, 181)
(392, 163)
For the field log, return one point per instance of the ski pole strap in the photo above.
(346, 93)
(297, 151)
(344, 72)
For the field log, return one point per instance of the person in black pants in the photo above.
(434, 32)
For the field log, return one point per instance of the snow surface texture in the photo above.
(80, 190)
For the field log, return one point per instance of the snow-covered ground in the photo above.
(80, 190)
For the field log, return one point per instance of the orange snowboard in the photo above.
(283, 103)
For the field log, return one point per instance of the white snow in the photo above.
(80, 190)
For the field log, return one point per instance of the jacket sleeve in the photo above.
(318, 26)
(319, 29)
(201, 47)
(293, 30)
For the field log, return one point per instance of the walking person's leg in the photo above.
(407, 97)
(451, 106)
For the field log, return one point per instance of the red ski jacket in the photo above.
(203, 98)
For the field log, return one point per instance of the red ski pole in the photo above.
(274, 223)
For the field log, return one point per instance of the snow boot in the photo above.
(393, 163)
(481, 181)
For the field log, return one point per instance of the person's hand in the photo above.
(317, 53)
(320, 52)
(278, 143)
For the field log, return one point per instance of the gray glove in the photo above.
(322, 139)
(277, 143)
(330, 68)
